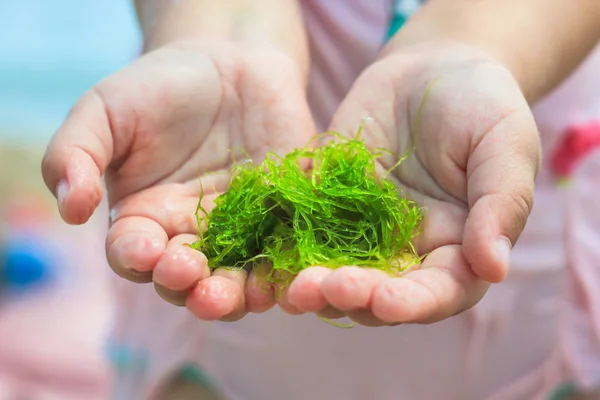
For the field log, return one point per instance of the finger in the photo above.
(283, 280)
(173, 206)
(260, 294)
(305, 292)
(179, 270)
(350, 288)
(142, 223)
(219, 297)
(76, 158)
(501, 172)
(239, 278)
(444, 286)
(133, 247)
(366, 318)
(331, 313)
(284, 303)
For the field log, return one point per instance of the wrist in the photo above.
(539, 42)
(464, 47)
(231, 58)
(275, 25)
(532, 85)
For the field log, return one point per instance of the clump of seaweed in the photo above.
(336, 213)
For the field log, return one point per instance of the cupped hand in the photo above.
(477, 154)
(152, 129)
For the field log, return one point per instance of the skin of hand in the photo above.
(477, 154)
(152, 129)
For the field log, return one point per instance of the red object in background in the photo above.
(26, 211)
(577, 142)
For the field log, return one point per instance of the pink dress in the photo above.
(529, 335)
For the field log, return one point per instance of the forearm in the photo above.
(267, 23)
(539, 41)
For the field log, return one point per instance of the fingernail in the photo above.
(503, 248)
(112, 215)
(136, 251)
(62, 190)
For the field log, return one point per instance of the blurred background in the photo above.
(55, 303)
(51, 52)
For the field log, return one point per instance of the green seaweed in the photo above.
(335, 213)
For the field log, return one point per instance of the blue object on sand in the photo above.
(24, 263)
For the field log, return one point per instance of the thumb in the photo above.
(501, 170)
(76, 158)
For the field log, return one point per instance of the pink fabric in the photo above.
(538, 329)
(345, 37)
(580, 329)
(52, 338)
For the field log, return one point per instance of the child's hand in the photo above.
(152, 129)
(473, 170)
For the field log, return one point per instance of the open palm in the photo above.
(476, 157)
(184, 111)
